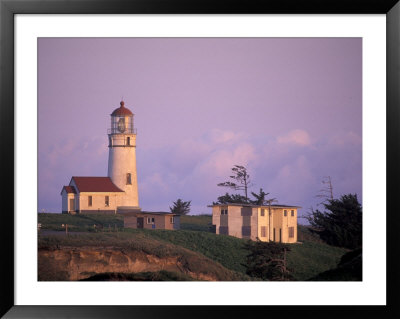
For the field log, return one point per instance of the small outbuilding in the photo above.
(150, 220)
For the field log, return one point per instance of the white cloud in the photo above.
(218, 136)
(155, 184)
(295, 137)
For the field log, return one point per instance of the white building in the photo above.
(276, 223)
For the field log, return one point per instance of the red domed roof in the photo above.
(122, 110)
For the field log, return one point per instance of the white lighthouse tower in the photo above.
(122, 156)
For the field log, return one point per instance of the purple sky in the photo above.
(289, 109)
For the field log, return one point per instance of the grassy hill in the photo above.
(99, 254)
(306, 259)
(226, 250)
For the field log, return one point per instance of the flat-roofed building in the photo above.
(276, 223)
(150, 220)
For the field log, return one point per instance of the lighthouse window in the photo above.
(121, 125)
(107, 201)
(128, 179)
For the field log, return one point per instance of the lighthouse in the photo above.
(122, 156)
(116, 193)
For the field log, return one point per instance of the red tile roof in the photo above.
(94, 184)
(69, 189)
(121, 111)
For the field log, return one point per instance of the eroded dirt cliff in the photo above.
(77, 263)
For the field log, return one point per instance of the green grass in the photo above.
(304, 234)
(348, 269)
(85, 223)
(122, 240)
(310, 258)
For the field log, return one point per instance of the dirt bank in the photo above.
(72, 263)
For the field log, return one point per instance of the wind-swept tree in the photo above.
(259, 198)
(326, 193)
(231, 198)
(241, 180)
(341, 222)
(180, 207)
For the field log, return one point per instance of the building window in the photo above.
(263, 231)
(291, 232)
(128, 179)
(246, 230)
(90, 201)
(172, 220)
(292, 213)
(224, 211)
(128, 141)
(150, 220)
(223, 230)
(107, 201)
(285, 213)
(262, 212)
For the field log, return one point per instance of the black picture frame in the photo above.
(8, 9)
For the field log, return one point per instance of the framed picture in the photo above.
(25, 29)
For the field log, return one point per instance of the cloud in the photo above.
(193, 167)
(346, 138)
(295, 137)
(290, 173)
(218, 136)
(222, 160)
(155, 185)
(73, 148)
(60, 161)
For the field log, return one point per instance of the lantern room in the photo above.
(122, 121)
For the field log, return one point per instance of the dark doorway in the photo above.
(140, 222)
(280, 235)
